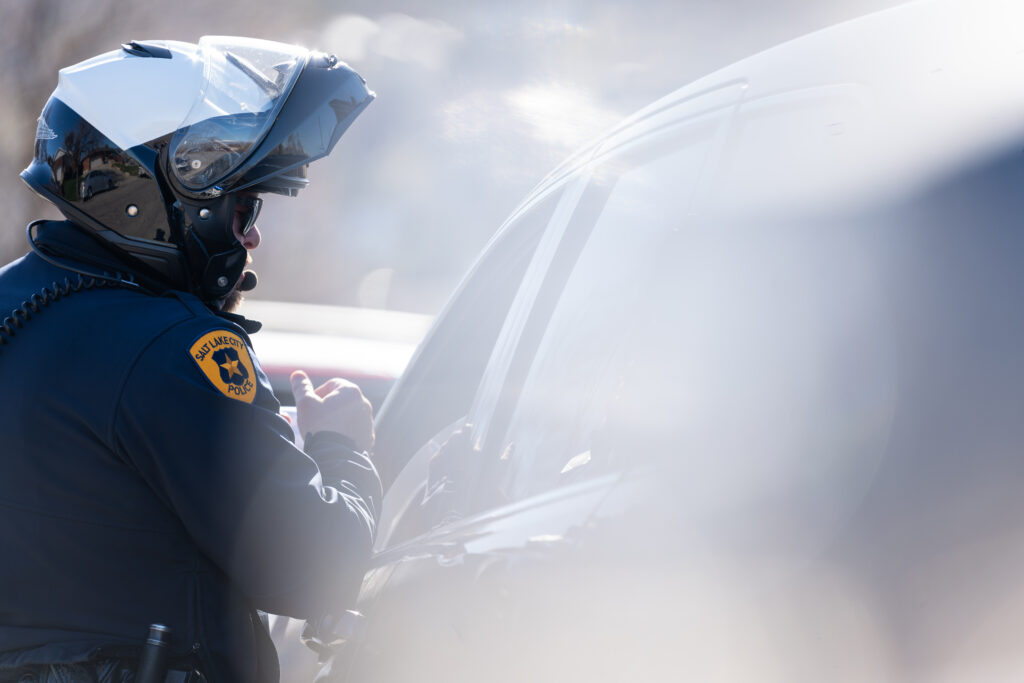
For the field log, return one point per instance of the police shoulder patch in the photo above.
(224, 358)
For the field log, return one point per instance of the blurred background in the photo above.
(476, 102)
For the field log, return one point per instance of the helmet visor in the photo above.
(246, 82)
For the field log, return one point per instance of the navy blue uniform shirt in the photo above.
(147, 477)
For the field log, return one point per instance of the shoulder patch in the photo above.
(224, 359)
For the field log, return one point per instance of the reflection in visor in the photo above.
(272, 88)
(211, 149)
(247, 82)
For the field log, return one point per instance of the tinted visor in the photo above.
(322, 105)
(246, 82)
(267, 111)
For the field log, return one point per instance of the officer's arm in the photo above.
(293, 530)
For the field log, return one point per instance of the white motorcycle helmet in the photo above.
(153, 148)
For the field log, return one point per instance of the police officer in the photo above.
(147, 476)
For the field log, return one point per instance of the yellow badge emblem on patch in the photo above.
(224, 359)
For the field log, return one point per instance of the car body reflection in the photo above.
(94, 182)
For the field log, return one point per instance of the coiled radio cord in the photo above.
(57, 290)
(40, 300)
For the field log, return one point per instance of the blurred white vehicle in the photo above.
(737, 394)
(370, 347)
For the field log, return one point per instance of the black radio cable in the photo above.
(57, 290)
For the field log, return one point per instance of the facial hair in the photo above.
(232, 301)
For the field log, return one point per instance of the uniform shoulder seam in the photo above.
(130, 368)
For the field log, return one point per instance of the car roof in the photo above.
(918, 90)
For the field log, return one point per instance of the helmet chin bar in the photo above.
(213, 255)
(217, 273)
(211, 219)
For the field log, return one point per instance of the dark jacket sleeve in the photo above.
(293, 530)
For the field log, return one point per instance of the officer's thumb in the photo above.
(302, 387)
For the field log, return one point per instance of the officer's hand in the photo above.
(337, 405)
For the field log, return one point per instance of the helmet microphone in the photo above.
(249, 281)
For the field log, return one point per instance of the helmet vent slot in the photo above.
(143, 49)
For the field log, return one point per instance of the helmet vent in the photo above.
(143, 49)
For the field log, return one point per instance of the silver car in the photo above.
(736, 394)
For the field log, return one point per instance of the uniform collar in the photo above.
(250, 326)
(67, 241)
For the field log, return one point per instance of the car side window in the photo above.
(442, 377)
(432, 399)
(748, 347)
(579, 401)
